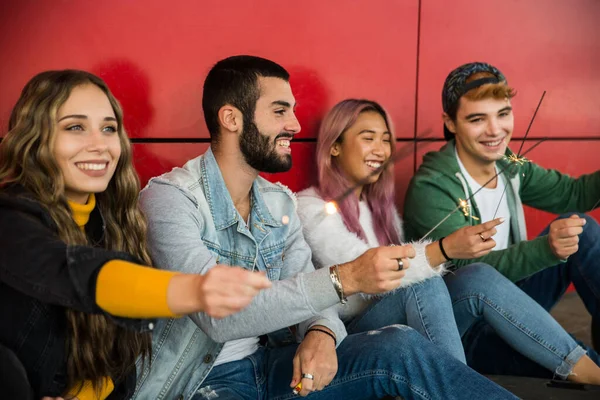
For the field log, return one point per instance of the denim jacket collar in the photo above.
(221, 205)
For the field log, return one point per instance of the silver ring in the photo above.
(400, 264)
(308, 376)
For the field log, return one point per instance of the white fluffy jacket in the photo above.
(332, 243)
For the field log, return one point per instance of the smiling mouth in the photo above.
(373, 164)
(493, 144)
(92, 166)
(284, 143)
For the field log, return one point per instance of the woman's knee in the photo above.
(477, 274)
(479, 279)
(434, 284)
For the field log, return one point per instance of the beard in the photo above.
(262, 155)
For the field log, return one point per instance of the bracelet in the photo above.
(442, 249)
(324, 331)
(334, 275)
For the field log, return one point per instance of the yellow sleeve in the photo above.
(125, 289)
(86, 392)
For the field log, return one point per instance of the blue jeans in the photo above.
(425, 307)
(395, 360)
(479, 292)
(491, 352)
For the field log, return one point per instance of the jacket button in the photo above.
(151, 326)
(207, 358)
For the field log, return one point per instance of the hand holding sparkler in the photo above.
(315, 363)
(377, 270)
(465, 243)
(563, 236)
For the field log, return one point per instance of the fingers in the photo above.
(226, 290)
(484, 248)
(572, 221)
(296, 374)
(385, 283)
(570, 250)
(567, 241)
(568, 231)
(395, 252)
(565, 252)
(486, 226)
(307, 387)
(564, 235)
(489, 233)
(318, 383)
(405, 263)
(256, 280)
(378, 269)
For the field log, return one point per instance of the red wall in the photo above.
(155, 54)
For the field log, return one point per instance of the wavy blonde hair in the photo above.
(97, 348)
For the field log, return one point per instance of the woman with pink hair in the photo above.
(354, 141)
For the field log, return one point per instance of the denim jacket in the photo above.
(192, 226)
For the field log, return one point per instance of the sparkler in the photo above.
(466, 208)
(513, 158)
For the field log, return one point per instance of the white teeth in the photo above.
(283, 143)
(92, 167)
(492, 144)
(373, 164)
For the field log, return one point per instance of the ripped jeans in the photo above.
(395, 360)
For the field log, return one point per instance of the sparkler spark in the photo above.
(330, 208)
(515, 159)
(466, 208)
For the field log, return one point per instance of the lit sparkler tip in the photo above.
(515, 159)
(330, 208)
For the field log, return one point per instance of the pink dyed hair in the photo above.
(332, 181)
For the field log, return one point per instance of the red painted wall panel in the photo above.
(155, 54)
(403, 171)
(551, 45)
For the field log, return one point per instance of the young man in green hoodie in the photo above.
(478, 124)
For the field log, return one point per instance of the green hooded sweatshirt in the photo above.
(439, 184)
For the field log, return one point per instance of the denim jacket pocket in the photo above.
(274, 262)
